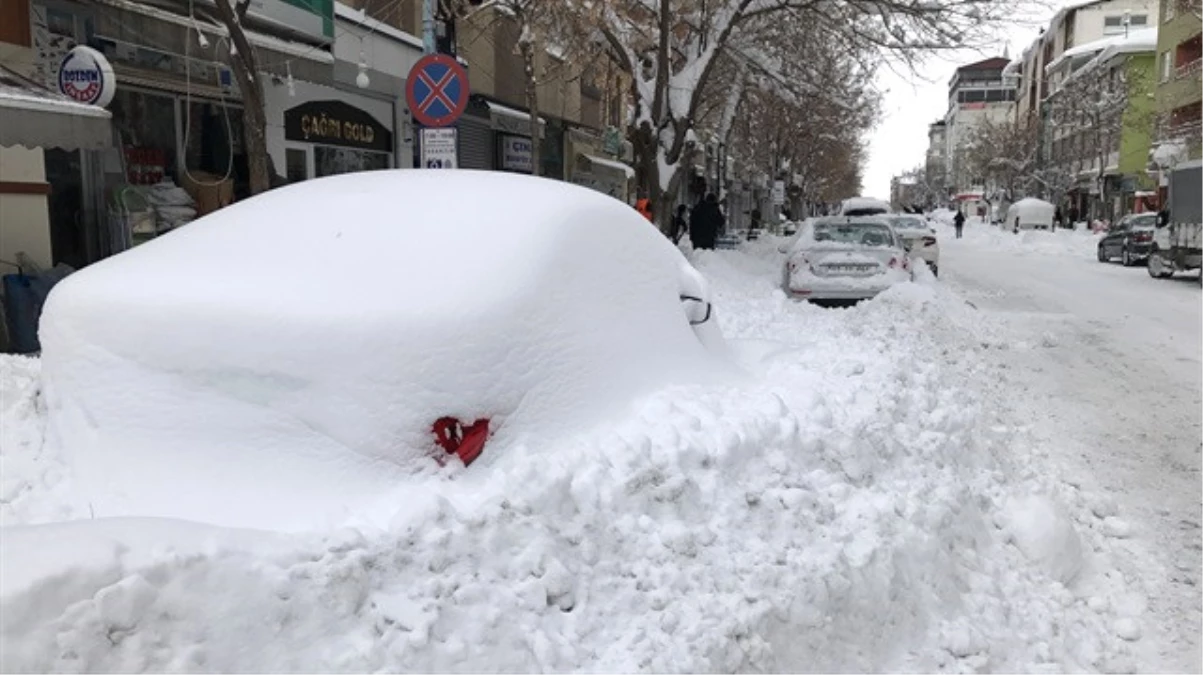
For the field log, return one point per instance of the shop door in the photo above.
(298, 162)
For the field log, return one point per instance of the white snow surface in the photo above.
(280, 363)
(859, 503)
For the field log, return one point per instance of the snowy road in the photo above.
(1104, 362)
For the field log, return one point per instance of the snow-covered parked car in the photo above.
(845, 258)
(282, 361)
(863, 206)
(918, 237)
(1030, 214)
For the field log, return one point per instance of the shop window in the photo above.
(146, 123)
(329, 161)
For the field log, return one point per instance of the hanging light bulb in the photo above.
(361, 80)
(292, 89)
(200, 37)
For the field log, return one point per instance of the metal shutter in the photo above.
(476, 149)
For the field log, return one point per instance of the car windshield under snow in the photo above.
(910, 223)
(864, 234)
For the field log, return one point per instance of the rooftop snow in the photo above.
(1141, 40)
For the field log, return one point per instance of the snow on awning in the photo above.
(512, 121)
(34, 116)
(613, 164)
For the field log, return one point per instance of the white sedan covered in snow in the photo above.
(845, 258)
(919, 238)
(277, 363)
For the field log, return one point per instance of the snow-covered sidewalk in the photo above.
(860, 503)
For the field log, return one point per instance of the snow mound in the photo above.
(280, 361)
(841, 513)
(1061, 242)
(1045, 533)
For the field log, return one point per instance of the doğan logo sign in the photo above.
(86, 76)
(336, 123)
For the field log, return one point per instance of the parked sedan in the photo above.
(919, 239)
(1129, 240)
(845, 258)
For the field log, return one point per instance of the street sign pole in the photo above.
(428, 26)
(436, 91)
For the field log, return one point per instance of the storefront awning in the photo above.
(511, 121)
(610, 163)
(34, 116)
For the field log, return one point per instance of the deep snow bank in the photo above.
(854, 511)
(279, 361)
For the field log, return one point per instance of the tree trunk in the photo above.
(246, 71)
(526, 45)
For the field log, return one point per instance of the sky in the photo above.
(913, 101)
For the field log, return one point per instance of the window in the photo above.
(1167, 66)
(1114, 25)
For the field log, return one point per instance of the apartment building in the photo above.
(977, 94)
(934, 165)
(1077, 24)
(1179, 92)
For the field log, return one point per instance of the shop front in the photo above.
(589, 165)
(326, 137)
(42, 131)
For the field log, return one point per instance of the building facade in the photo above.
(1179, 93)
(978, 94)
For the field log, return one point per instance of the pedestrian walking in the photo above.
(680, 225)
(958, 222)
(705, 222)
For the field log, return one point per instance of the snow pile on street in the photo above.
(1061, 242)
(281, 362)
(854, 508)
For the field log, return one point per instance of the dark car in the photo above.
(1129, 239)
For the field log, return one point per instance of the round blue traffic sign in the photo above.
(437, 90)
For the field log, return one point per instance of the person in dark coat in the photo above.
(705, 222)
(680, 225)
(959, 222)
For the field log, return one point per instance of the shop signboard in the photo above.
(438, 148)
(778, 193)
(336, 123)
(86, 76)
(313, 19)
(516, 154)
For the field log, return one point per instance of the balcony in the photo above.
(1189, 70)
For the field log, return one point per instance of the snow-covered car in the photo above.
(919, 238)
(845, 258)
(1130, 239)
(283, 361)
(1030, 214)
(863, 206)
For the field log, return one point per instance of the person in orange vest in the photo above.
(644, 206)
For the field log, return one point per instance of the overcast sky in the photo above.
(911, 103)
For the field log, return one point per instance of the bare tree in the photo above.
(244, 63)
(671, 48)
(1092, 110)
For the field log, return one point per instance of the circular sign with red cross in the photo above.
(437, 90)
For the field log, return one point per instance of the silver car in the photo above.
(845, 258)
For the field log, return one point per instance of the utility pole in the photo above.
(428, 26)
